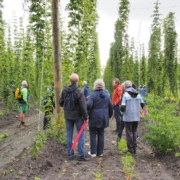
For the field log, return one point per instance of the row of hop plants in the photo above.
(163, 124)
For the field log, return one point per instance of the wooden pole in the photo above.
(57, 57)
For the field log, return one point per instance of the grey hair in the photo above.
(99, 84)
(24, 82)
(128, 83)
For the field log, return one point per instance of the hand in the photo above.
(86, 120)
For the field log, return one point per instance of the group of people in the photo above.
(97, 109)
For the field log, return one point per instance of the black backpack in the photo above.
(69, 102)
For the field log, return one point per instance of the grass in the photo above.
(127, 161)
(2, 136)
(1, 113)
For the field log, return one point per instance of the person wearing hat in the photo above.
(23, 102)
(131, 104)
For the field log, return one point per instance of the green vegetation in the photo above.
(2, 136)
(127, 160)
(98, 175)
(39, 143)
(5, 172)
(163, 124)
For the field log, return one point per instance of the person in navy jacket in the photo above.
(100, 110)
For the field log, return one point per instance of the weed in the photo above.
(39, 144)
(36, 178)
(2, 136)
(1, 113)
(20, 172)
(7, 171)
(127, 160)
(98, 175)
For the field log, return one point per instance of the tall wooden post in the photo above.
(57, 56)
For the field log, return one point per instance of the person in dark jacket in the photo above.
(100, 110)
(130, 106)
(86, 90)
(77, 116)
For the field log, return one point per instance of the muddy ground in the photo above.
(53, 164)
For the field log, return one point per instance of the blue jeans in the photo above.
(97, 146)
(117, 117)
(69, 137)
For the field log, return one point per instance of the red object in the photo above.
(78, 135)
(116, 96)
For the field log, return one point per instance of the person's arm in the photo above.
(61, 100)
(89, 104)
(83, 107)
(123, 104)
(110, 109)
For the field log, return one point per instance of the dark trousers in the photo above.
(117, 116)
(96, 140)
(131, 135)
(121, 128)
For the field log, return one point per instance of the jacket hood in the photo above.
(71, 88)
(103, 94)
(86, 86)
(132, 92)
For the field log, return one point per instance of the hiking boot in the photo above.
(101, 155)
(137, 137)
(127, 151)
(83, 158)
(92, 155)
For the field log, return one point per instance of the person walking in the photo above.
(86, 90)
(100, 110)
(131, 104)
(116, 97)
(74, 103)
(23, 102)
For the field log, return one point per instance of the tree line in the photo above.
(26, 52)
(160, 69)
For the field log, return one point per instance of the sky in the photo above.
(140, 19)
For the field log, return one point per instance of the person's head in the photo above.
(99, 85)
(24, 83)
(116, 81)
(128, 83)
(123, 85)
(144, 86)
(134, 86)
(74, 78)
(84, 83)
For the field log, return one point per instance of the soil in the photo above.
(54, 164)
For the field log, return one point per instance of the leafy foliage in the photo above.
(163, 124)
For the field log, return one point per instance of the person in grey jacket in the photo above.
(100, 110)
(130, 106)
(75, 116)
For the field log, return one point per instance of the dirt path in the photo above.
(20, 138)
(53, 163)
